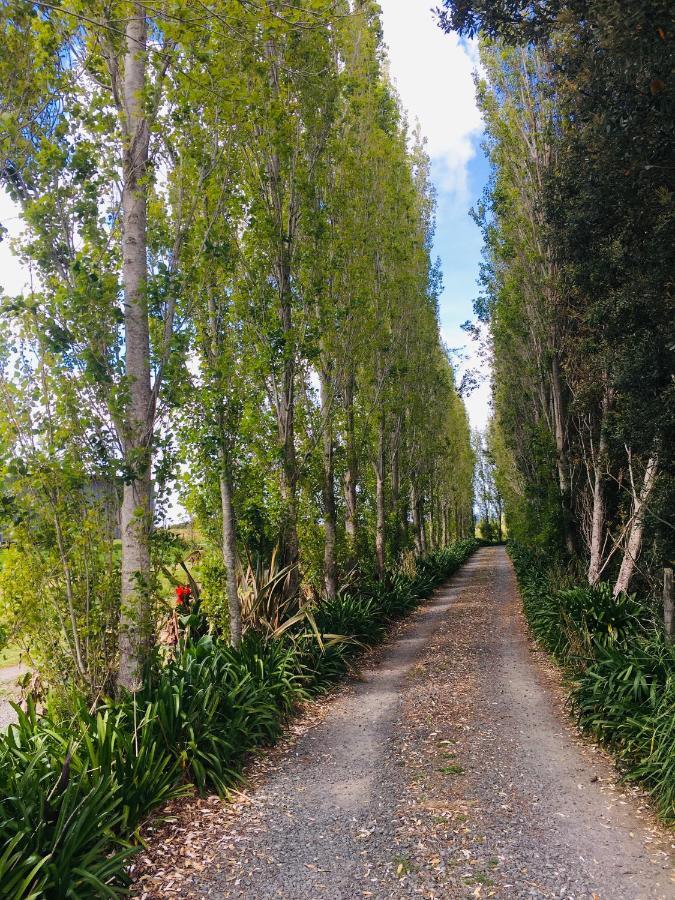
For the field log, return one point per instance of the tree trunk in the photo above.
(417, 504)
(598, 514)
(229, 535)
(284, 211)
(415, 509)
(634, 543)
(396, 492)
(136, 514)
(351, 475)
(435, 523)
(329, 512)
(379, 503)
(421, 520)
(286, 427)
(229, 546)
(561, 455)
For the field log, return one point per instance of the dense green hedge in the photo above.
(622, 669)
(73, 792)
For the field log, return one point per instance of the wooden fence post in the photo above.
(668, 606)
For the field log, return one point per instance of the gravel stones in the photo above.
(449, 769)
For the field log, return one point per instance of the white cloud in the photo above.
(433, 74)
(14, 276)
(467, 358)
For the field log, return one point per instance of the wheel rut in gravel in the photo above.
(449, 769)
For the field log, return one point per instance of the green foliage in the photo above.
(74, 789)
(577, 221)
(286, 339)
(626, 699)
(276, 335)
(622, 669)
(60, 814)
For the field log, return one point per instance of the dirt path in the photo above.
(448, 771)
(8, 691)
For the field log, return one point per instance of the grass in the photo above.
(452, 770)
(403, 866)
(10, 656)
(479, 878)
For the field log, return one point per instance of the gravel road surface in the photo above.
(8, 691)
(449, 769)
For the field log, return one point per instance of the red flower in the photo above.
(183, 594)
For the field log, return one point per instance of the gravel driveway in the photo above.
(448, 770)
(8, 691)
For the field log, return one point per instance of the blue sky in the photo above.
(433, 73)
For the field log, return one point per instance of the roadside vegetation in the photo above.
(577, 310)
(231, 320)
(232, 448)
(76, 785)
(621, 667)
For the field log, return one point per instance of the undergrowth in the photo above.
(622, 670)
(75, 790)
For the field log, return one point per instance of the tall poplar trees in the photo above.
(578, 276)
(229, 228)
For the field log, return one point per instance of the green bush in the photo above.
(74, 790)
(622, 670)
(626, 699)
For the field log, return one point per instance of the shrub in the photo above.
(75, 788)
(622, 669)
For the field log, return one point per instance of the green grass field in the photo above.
(10, 656)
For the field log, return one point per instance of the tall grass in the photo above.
(73, 791)
(621, 667)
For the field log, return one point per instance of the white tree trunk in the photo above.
(136, 512)
(379, 503)
(598, 513)
(351, 476)
(561, 453)
(634, 542)
(230, 550)
(417, 525)
(328, 490)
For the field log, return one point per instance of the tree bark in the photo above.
(421, 520)
(229, 547)
(379, 503)
(136, 514)
(289, 525)
(229, 534)
(414, 508)
(561, 455)
(329, 511)
(286, 426)
(634, 542)
(351, 474)
(396, 489)
(417, 504)
(598, 513)
(283, 206)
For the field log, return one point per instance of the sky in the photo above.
(433, 74)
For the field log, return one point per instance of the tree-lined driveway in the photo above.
(448, 770)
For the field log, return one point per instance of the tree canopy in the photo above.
(233, 307)
(577, 278)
